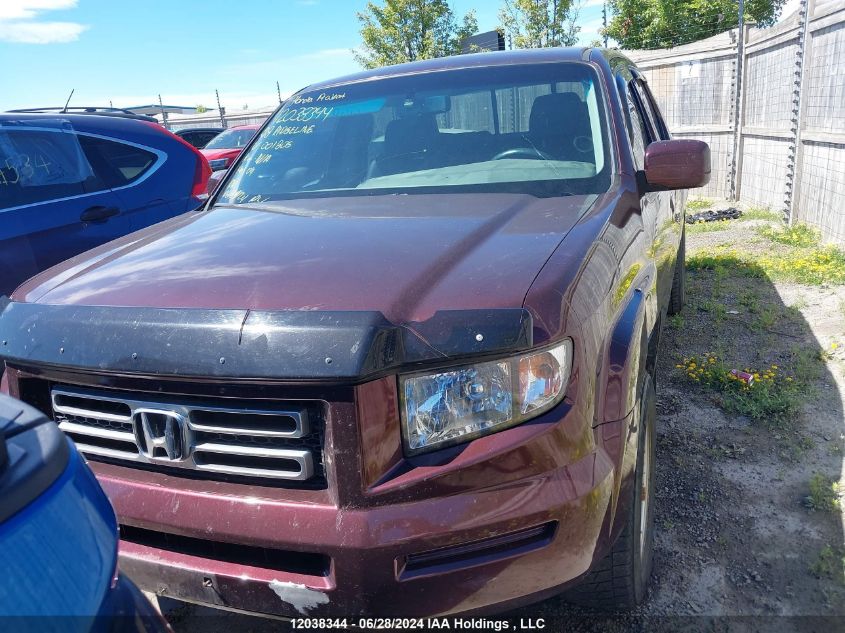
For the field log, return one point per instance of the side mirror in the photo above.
(677, 164)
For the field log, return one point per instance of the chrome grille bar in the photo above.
(250, 441)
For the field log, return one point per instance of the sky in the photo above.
(128, 52)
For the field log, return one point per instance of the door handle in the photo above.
(98, 214)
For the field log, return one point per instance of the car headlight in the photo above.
(218, 163)
(456, 405)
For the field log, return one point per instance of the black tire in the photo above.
(620, 580)
(679, 281)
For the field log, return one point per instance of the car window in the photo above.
(653, 112)
(637, 131)
(116, 164)
(652, 128)
(37, 165)
(536, 129)
(203, 138)
(231, 139)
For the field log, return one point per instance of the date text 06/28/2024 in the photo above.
(420, 624)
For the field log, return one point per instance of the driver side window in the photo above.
(637, 132)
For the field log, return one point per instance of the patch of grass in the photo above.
(825, 355)
(708, 227)
(829, 564)
(800, 235)
(761, 213)
(766, 318)
(800, 303)
(812, 266)
(717, 310)
(699, 204)
(772, 398)
(798, 447)
(722, 260)
(824, 494)
(807, 363)
(750, 300)
(676, 321)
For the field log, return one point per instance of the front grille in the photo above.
(214, 437)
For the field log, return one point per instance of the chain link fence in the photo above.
(771, 104)
(215, 119)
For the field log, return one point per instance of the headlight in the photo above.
(460, 404)
(218, 163)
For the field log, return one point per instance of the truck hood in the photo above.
(406, 257)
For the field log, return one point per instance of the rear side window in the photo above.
(37, 165)
(116, 164)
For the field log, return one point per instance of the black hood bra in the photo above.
(279, 345)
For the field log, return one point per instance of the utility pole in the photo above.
(220, 110)
(163, 112)
(604, 20)
(279, 92)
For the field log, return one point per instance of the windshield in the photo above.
(535, 129)
(231, 139)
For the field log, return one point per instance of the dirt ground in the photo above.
(737, 547)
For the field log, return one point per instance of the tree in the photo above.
(407, 30)
(665, 23)
(200, 109)
(541, 23)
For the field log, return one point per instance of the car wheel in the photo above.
(620, 580)
(679, 281)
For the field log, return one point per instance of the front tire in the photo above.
(620, 580)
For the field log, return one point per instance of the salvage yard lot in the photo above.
(747, 503)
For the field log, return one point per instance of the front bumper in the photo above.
(370, 549)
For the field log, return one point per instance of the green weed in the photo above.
(771, 398)
(761, 213)
(829, 564)
(699, 204)
(708, 227)
(810, 266)
(800, 303)
(800, 235)
(824, 494)
(767, 318)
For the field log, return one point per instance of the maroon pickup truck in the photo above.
(403, 362)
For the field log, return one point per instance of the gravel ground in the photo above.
(735, 541)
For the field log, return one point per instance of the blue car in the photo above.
(70, 182)
(58, 537)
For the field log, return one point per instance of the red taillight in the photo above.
(202, 170)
